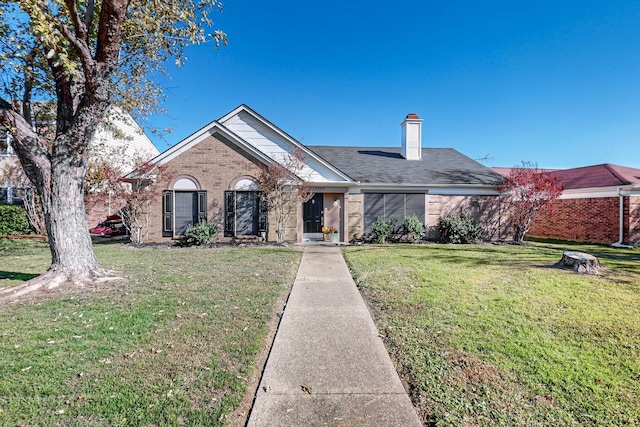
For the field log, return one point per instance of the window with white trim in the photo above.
(10, 195)
(5, 142)
(182, 207)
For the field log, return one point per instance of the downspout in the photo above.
(619, 244)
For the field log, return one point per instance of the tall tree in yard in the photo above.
(285, 187)
(527, 191)
(86, 55)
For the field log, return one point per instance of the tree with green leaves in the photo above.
(85, 56)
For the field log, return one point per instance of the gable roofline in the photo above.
(591, 177)
(307, 152)
(623, 173)
(210, 129)
(597, 176)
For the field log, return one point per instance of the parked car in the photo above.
(112, 226)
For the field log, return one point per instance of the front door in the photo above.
(312, 215)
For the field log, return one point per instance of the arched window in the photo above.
(244, 183)
(5, 142)
(185, 184)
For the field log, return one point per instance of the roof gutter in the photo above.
(424, 186)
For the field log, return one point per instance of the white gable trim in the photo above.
(224, 126)
(202, 134)
(310, 155)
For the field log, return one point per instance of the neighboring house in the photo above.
(7, 157)
(599, 204)
(123, 138)
(120, 142)
(216, 169)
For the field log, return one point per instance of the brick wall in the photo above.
(484, 210)
(354, 216)
(291, 229)
(583, 220)
(633, 234)
(215, 164)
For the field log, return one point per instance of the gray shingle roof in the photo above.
(377, 165)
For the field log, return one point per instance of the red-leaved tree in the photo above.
(284, 187)
(527, 191)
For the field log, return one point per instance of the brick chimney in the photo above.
(412, 137)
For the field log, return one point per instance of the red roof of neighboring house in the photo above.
(605, 175)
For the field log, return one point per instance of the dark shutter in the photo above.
(202, 206)
(229, 213)
(167, 213)
(263, 212)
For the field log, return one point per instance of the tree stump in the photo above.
(581, 262)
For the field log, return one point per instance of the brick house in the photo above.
(599, 204)
(214, 174)
(120, 142)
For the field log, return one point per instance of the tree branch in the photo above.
(79, 44)
(31, 151)
(81, 29)
(112, 15)
(88, 15)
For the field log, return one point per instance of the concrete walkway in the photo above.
(328, 366)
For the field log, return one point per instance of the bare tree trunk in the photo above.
(33, 208)
(59, 179)
(69, 239)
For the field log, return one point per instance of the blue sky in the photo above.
(556, 83)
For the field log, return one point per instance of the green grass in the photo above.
(493, 335)
(173, 344)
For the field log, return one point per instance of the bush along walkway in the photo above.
(328, 365)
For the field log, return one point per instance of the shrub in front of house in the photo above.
(382, 228)
(457, 228)
(202, 233)
(413, 227)
(14, 220)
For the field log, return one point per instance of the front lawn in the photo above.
(174, 344)
(493, 335)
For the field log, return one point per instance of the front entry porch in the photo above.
(322, 210)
